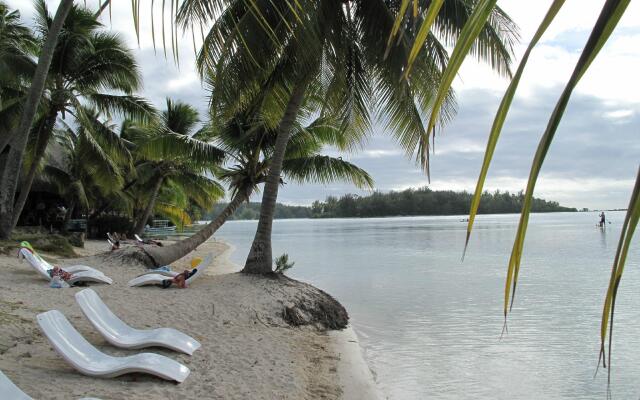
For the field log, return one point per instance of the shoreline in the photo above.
(354, 374)
(248, 350)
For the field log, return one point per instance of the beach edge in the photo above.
(355, 376)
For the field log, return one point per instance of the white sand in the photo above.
(355, 376)
(248, 351)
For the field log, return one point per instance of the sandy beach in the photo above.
(248, 350)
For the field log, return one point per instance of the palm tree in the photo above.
(88, 170)
(13, 143)
(249, 143)
(17, 44)
(335, 51)
(167, 155)
(88, 66)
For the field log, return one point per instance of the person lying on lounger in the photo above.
(148, 241)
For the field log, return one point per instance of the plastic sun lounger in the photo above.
(92, 275)
(9, 391)
(70, 269)
(156, 279)
(119, 334)
(88, 360)
(166, 274)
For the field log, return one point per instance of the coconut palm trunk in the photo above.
(103, 7)
(139, 228)
(9, 171)
(41, 147)
(18, 141)
(260, 259)
(166, 255)
(39, 78)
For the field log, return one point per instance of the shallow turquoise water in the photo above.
(430, 324)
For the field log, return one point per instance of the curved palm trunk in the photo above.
(41, 147)
(260, 259)
(9, 184)
(103, 6)
(166, 255)
(9, 171)
(149, 209)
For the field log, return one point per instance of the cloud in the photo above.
(592, 162)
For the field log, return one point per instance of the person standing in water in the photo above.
(602, 220)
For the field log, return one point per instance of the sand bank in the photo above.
(248, 351)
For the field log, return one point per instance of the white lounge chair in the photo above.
(157, 278)
(88, 360)
(9, 391)
(169, 274)
(119, 334)
(71, 268)
(77, 275)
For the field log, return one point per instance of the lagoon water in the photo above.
(430, 324)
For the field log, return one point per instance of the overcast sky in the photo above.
(592, 162)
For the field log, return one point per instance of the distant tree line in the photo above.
(410, 202)
(252, 211)
(424, 201)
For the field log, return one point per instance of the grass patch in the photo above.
(48, 243)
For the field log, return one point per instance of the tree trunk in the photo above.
(20, 136)
(166, 255)
(260, 259)
(139, 228)
(41, 147)
(68, 215)
(103, 6)
(9, 171)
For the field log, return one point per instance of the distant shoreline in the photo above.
(410, 203)
(412, 216)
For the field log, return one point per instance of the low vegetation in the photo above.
(55, 244)
(410, 202)
(283, 264)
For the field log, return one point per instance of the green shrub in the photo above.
(283, 264)
(48, 243)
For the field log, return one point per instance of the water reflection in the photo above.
(431, 325)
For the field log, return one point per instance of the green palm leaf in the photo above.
(469, 34)
(325, 169)
(611, 13)
(173, 145)
(628, 229)
(502, 112)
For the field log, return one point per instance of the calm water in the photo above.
(430, 324)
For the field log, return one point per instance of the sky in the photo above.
(592, 162)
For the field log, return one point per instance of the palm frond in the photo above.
(325, 169)
(502, 112)
(609, 17)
